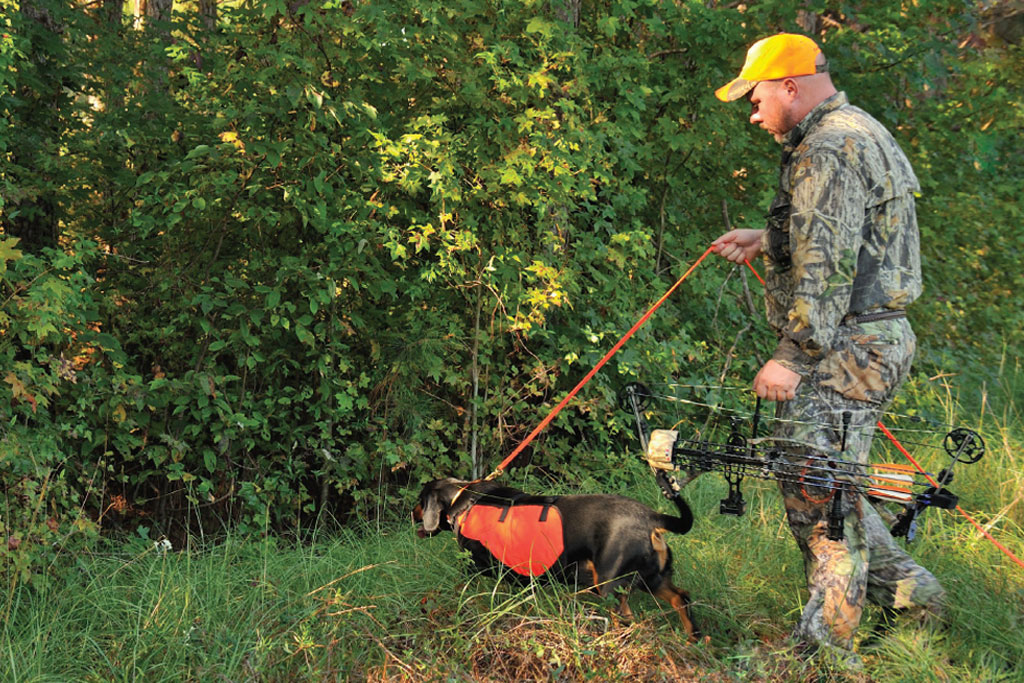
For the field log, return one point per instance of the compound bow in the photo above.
(740, 456)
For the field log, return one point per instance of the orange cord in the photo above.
(551, 416)
(759, 278)
(937, 487)
(547, 420)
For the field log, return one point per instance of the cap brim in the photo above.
(735, 89)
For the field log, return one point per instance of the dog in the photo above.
(607, 543)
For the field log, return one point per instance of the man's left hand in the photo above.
(776, 383)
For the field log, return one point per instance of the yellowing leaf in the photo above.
(8, 252)
(232, 137)
(18, 390)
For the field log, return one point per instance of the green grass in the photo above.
(379, 604)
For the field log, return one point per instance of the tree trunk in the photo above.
(474, 445)
(157, 10)
(208, 13)
(113, 12)
(568, 11)
(32, 213)
(153, 14)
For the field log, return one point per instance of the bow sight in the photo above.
(823, 479)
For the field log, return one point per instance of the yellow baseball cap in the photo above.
(784, 55)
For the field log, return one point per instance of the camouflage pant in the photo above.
(858, 378)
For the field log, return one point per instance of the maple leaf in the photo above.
(18, 390)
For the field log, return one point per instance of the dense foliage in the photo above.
(262, 265)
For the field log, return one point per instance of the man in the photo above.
(842, 263)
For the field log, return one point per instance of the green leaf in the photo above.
(209, 460)
(542, 26)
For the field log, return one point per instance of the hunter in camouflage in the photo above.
(841, 240)
(841, 251)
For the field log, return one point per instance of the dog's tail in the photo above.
(670, 488)
(681, 524)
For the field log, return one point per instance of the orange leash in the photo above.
(551, 416)
(759, 278)
(557, 409)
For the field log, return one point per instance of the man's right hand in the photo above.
(739, 245)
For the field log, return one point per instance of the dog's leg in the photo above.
(680, 601)
(677, 597)
(619, 587)
(660, 548)
(586, 574)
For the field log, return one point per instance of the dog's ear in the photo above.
(431, 512)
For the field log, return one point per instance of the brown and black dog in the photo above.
(604, 542)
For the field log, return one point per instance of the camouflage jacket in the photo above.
(842, 233)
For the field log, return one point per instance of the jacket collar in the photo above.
(799, 132)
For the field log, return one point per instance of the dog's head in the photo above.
(434, 507)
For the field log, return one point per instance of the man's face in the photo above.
(770, 108)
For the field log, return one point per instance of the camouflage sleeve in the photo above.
(827, 212)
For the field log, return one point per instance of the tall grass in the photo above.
(380, 604)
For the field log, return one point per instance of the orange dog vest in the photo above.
(525, 538)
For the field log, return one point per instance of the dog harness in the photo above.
(525, 538)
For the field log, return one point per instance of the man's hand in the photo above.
(775, 383)
(738, 245)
